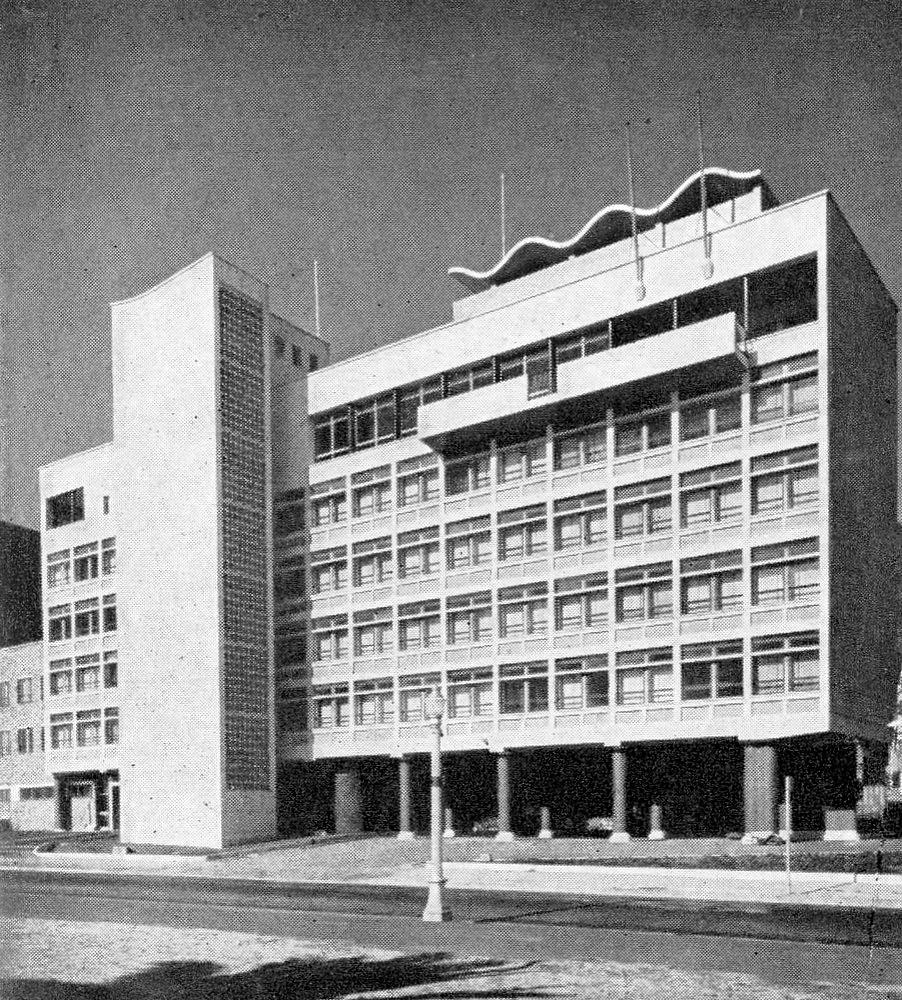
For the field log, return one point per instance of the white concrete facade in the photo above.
(768, 448)
(592, 519)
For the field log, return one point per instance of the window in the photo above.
(373, 632)
(374, 702)
(86, 562)
(523, 688)
(785, 389)
(111, 725)
(522, 461)
(642, 509)
(522, 533)
(580, 522)
(87, 727)
(581, 682)
(58, 568)
(109, 613)
(539, 365)
(288, 578)
(6, 743)
(60, 730)
(288, 514)
(711, 496)
(581, 602)
(511, 366)
(328, 570)
(418, 553)
(469, 618)
(330, 637)
(417, 481)
(642, 433)
(87, 673)
(642, 323)
(466, 379)
(110, 669)
(33, 794)
(371, 492)
(66, 508)
(297, 356)
(586, 446)
(645, 676)
(785, 572)
(411, 399)
(60, 623)
(108, 556)
(414, 690)
(779, 661)
(278, 345)
(87, 617)
(330, 706)
(328, 503)
(644, 592)
(785, 481)
(24, 691)
(106, 505)
(464, 475)
(783, 296)
(292, 710)
(331, 435)
(711, 670)
(523, 610)
(590, 340)
(710, 301)
(290, 643)
(419, 625)
(60, 677)
(372, 562)
(4, 694)
(470, 693)
(711, 583)
(313, 362)
(374, 421)
(710, 416)
(468, 543)
(25, 740)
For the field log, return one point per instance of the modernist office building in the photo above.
(632, 510)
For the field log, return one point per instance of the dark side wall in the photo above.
(20, 584)
(864, 530)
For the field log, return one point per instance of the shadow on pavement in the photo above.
(295, 979)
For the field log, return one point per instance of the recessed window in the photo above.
(66, 508)
(312, 363)
(297, 356)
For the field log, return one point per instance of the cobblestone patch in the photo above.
(56, 960)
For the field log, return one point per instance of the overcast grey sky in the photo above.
(370, 136)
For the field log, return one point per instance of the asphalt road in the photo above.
(820, 944)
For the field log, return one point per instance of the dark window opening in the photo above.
(782, 297)
(706, 303)
(643, 323)
(65, 508)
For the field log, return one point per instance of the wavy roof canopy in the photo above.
(610, 225)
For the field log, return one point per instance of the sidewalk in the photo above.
(385, 862)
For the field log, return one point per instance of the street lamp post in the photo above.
(435, 911)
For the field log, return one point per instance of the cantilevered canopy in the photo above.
(610, 225)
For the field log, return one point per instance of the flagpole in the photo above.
(703, 189)
(640, 288)
(503, 220)
(316, 297)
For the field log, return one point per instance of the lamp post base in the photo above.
(435, 912)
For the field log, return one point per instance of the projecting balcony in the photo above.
(709, 342)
